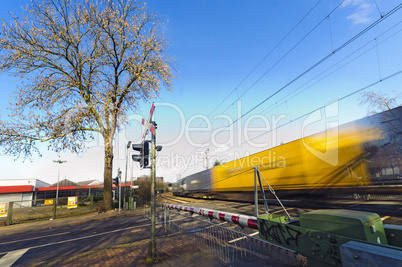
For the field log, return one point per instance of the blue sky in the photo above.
(217, 44)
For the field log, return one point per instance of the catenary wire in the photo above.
(266, 56)
(272, 107)
(302, 116)
(312, 67)
(283, 57)
(319, 108)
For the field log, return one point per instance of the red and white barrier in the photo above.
(242, 220)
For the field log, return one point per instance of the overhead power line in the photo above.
(273, 106)
(319, 108)
(312, 67)
(302, 116)
(266, 56)
(284, 56)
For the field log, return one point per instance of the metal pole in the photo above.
(131, 182)
(10, 213)
(54, 209)
(58, 178)
(262, 192)
(119, 176)
(152, 251)
(255, 191)
(125, 174)
(57, 189)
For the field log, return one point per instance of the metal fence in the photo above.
(32, 210)
(232, 246)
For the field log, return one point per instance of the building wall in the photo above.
(11, 191)
(21, 198)
(7, 198)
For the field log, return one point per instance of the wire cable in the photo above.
(302, 116)
(319, 108)
(311, 68)
(273, 106)
(284, 56)
(266, 56)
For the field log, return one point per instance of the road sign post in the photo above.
(152, 250)
(150, 126)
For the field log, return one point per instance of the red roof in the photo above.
(15, 189)
(54, 188)
(28, 188)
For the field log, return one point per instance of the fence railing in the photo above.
(41, 209)
(232, 246)
(49, 209)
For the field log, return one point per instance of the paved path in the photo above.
(174, 251)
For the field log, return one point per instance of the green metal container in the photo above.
(365, 226)
(320, 234)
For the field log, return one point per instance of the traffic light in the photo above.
(143, 157)
(116, 181)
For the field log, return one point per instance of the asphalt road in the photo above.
(36, 246)
(28, 248)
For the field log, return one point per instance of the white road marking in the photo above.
(83, 237)
(11, 257)
(33, 238)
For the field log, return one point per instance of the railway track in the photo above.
(174, 199)
(384, 208)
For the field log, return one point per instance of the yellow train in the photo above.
(337, 161)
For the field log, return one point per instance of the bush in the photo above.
(81, 204)
(98, 198)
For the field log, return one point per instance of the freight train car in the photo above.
(350, 159)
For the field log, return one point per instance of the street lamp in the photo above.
(58, 178)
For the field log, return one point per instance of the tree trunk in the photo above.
(107, 176)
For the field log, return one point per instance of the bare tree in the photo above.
(381, 103)
(84, 65)
(378, 102)
(217, 163)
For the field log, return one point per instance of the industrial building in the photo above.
(20, 190)
(29, 191)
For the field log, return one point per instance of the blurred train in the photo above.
(359, 158)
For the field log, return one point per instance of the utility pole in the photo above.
(58, 178)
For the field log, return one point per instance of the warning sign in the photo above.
(48, 201)
(72, 202)
(3, 209)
